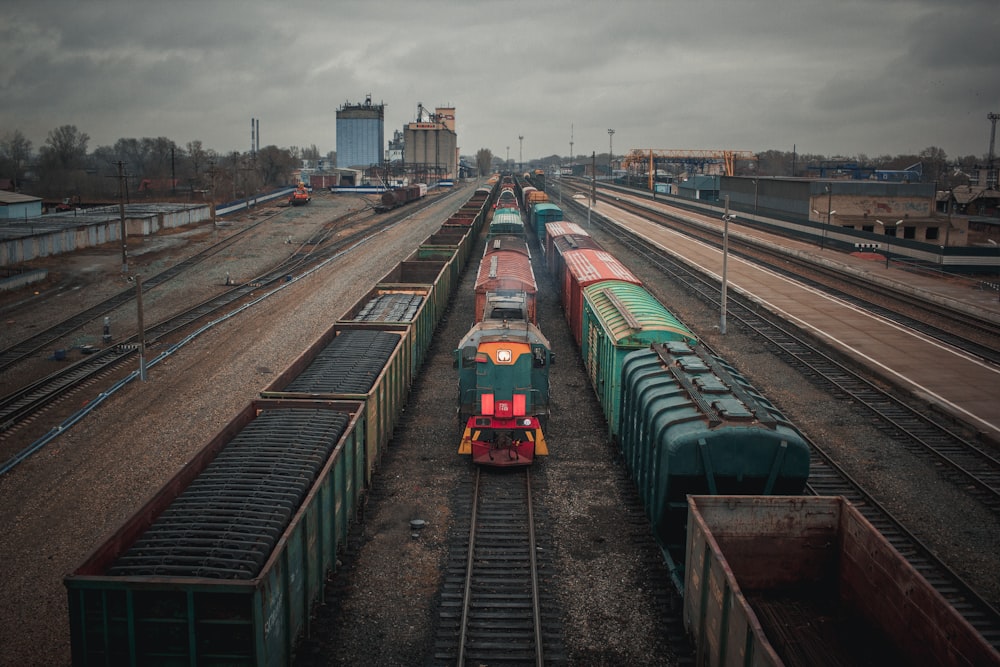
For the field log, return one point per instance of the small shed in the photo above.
(15, 206)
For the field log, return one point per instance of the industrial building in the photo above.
(430, 145)
(360, 134)
(904, 211)
(15, 206)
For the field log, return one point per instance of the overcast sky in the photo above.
(831, 77)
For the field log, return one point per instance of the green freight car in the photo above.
(619, 318)
(692, 425)
(226, 562)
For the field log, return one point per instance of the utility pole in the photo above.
(211, 173)
(991, 174)
(121, 214)
(593, 184)
(829, 213)
(142, 333)
(726, 218)
(571, 146)
(611, 153)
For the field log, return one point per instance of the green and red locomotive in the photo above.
(503, 361)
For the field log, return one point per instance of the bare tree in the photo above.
(311, 153)
(61, 162)
(198, 156)
(276, 165)
(65, 148)
(484, 160)
(15, 151)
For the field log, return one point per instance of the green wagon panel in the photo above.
(159, 619)
(618, 318)
(385, 399)
(542, 214)
(692, 425)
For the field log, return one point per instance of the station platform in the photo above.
(966, 294)
(954, 381)
(974, 297)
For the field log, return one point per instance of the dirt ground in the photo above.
(382, 607)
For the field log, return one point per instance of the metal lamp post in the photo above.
(726, 218)
(885, 225)
(755, 187)
(611, 152)
(829, 215)
(592, 199)
(997, 246)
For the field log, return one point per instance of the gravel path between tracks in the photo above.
(62, 502)
(381, 609)
(607, 580)
(963, 534)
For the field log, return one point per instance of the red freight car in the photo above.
(586, 267)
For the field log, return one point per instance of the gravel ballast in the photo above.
(382, 604)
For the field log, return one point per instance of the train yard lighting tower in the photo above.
(991, 174)
(592, 199)
(571, 146)
(885, 229)
(520, 153)
(611, 153)
(726, 219)
(507, 161)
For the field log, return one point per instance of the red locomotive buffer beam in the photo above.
(502, 434)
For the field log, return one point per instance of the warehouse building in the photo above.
(15, 206)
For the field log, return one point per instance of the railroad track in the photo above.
(826, 478)
(20, 406)
(974, 469)
(493, 609)
(25, 348)
(956, 325)
(959, 457)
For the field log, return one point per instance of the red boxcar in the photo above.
(505, 242)
(506, 272)
(586, 267)
(554, 230)
(563, 244)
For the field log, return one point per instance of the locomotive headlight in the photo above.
(503, 356)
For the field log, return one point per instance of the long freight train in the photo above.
(685, 421)
(503, 361)
(225, 564)
(397, 197)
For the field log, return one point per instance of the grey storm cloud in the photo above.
(846, 78)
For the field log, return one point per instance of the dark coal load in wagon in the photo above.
(391, 199)
(225, 563)
(228, 520)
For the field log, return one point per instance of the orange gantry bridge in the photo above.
(649, 157)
